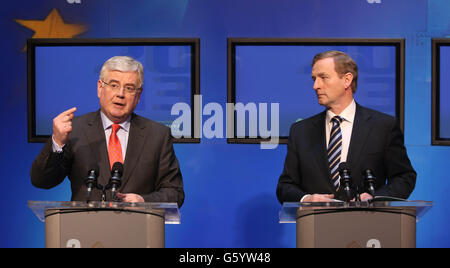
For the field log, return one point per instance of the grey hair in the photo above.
(123, 64)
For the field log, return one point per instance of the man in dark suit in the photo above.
(113, 134)
(344, 132)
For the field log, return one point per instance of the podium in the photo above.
(390, 224)
(105, 224)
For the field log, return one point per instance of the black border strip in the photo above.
(437, 43)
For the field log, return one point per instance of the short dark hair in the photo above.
(343, 64)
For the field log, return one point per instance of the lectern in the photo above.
(390, 224)
(105, 224)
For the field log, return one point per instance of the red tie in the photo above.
(114, 147)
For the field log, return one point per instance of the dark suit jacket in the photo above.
(376, 143)
(151, 168)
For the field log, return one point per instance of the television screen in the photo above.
(441, 92)
(63, 73)
(279, 71)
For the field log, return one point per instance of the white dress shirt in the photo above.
(346, 127)
(348, 116)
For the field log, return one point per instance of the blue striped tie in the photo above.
(334, 150)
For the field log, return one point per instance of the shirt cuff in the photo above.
(303, 198)
(56, 148)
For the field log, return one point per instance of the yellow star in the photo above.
(53, 27)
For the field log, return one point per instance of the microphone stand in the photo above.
(103, 189)
(358, 195)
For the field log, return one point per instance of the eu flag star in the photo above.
(53, 26)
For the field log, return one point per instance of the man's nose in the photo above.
(316, 85)
(121, 92)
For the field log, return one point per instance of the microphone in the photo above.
(369, 182)
(91, 180)
(346, 181)
(116, 177)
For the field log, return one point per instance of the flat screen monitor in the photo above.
(441, 92)
(63, 73)
(268, 71)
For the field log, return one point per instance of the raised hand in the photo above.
(62, 126)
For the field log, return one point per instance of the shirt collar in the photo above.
(125, 125)
(348, 114)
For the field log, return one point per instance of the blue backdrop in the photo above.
(230, 188)
(69, 74)
(282, 74)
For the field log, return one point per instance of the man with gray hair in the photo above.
(114, 133)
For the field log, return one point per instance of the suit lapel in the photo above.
(136, 141)
(319, 147)
(95, 135)
(360, 131)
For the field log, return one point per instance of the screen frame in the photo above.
(194, 43)
(398, 43)
(436, 44)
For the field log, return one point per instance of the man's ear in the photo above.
(348, 79)
(139, 95)
(99, 88)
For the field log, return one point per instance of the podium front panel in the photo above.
(357, 228)
(110, 229)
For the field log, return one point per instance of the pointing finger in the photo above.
(70, 111)
(67, 115)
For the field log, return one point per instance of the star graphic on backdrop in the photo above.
(53, 26)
